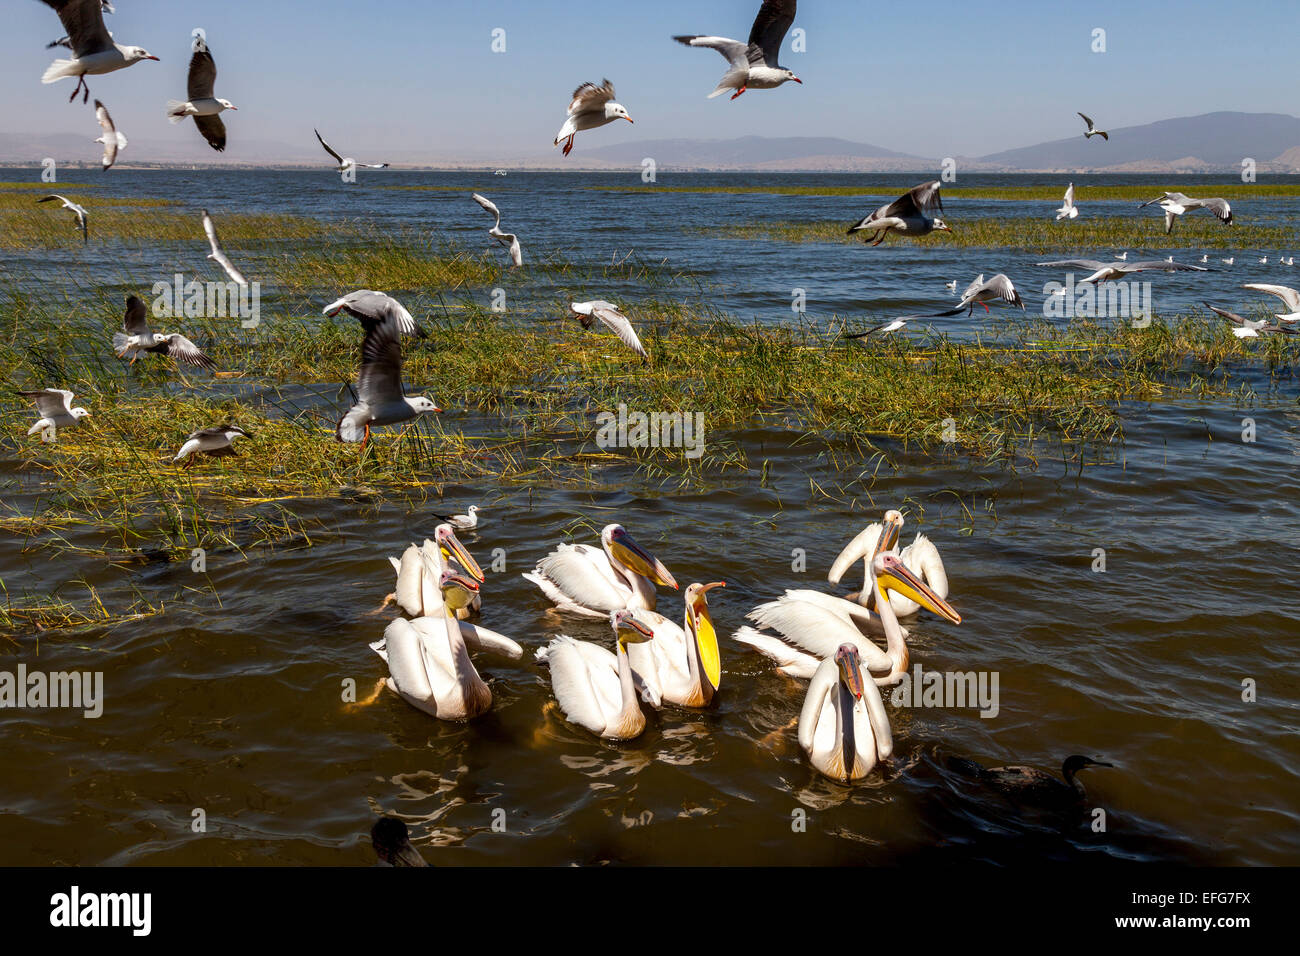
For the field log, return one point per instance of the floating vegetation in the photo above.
(33, 614)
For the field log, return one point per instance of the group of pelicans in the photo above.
(830, 641)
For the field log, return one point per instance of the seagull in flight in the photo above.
(78, 211)
(345, 164)
(614, 320)
(94, 51)
(911, 214)
(137, 337)
(1288, 296)
(202, 104)
(1175, 204)
(1068, 209)
(216, 255)
(1249, 328)
(1092, 129)
(592, 106)
(507, 239)
(1109, 271)
(217, 442)
(753, 64)
(111, 138)
(894, 325)
(54, 405)
(979, 292)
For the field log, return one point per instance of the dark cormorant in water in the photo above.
(392, 844)
(1029, 784)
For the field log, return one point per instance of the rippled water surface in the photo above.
(230, 701)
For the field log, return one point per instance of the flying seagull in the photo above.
(1092, 130)
(465, 522)
(1249, 328)
(216, 255)
(982, 293)
(614, 320)
(346, 163)
(369, 306)
(885, 327)
(592, 106)
(202, 105)
(508, 239)
(381, 400)
(1290, 298)
(64, 41)
(111, 138)
(1175, 204)
(77, 211)
(217, 442)
(1068, 209)
(1108, 271)
(137, 337)
(911, 214)
(54, 405)
(93, 49)
(753, 64)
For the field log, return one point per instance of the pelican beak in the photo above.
(846, 658)
(452, 548)
(891, 528)
(706, 636)
(630, 629)
(457, 590)
(640, 560)
(898, 579)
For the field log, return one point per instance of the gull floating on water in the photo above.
(911, 214)
(1249, 328)
(216, 255)
(753, 64)
(54, 405)
(1175, 204)
(138, 337)
(93, 50)
(1229, 261)
(1068, 209)
(613, 319)
(952, 286)
(202, 105)
(592, 106)
(110, 137)
(1107, 271)
(508, 239)
(78, 211)
(1092, 129)
(218, 442)
(346, 163)
(465, 522)
(979, 292)
(381, 400)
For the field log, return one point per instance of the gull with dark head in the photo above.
(111, 137)
(753, 65)
(78, 211)
(55, 408)
(592, 106)
(137, 337)
(93, 50)
(911, 214)
(205, 107)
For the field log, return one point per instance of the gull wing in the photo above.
(769, 29)
(369, 306)
(183, 350)
(733, 51)
(1091, 264)
(1220, 208)
(83, 21)
(113, 140)
(1290, 297)
(135, 321)
(589, 98)
(51, 401)
(213, 130)
(487, 204)
(380, 379)
(1001, 286)
(1232, 317)
(203, 75)
(618, 323)
(217, 255)
(1160, 265)
(336, 156)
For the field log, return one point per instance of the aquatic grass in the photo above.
(50, 613)
(1083, 192)
(48, 226)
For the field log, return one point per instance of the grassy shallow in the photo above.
(1229, 191)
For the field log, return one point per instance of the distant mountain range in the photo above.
(1213, 142)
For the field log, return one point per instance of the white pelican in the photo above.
(419, 568)
(921, 557)
(681, 665)
(843, 727)
(428, 658)
(594, 688)
(816, 632)
(585, 580)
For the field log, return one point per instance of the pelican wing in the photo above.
(789, 660)
(481, 639)
(585, 683)
(578, 578)
(860, 548)
(824, 681)
(817, 630)
(410, 581)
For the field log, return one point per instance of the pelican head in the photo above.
(893, 575)
(457, 589)
(846, 659)
(700, 625)
(941, 225)
(631, 555)
(628, 629)
(615, 111)
(451, 547)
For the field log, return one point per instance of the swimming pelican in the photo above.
(418, 570)
(843, 727)
(921, 557)
(585, 580)
(1031, 785)
(428, 659)
(816, 632)
(594, 688)
(681, 665)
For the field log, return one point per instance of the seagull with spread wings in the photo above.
(78, 211)
(507, 239)
(1109, 271)
(1175, 204)
(1068, 209)
(592, 106)
(1092, 129)
(137, 337)
(202, 104)
(979, 292)
(613, 319)
(216, 442)
(93, 50)
(1249, 328)
(216, 255)
(911, 214)
(753, 65)
(112, 139)
(1289, 297)
(346, 163)
(54, 405)
(66, 41)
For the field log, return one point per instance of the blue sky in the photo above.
(936, 78)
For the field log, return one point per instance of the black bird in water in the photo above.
(1029, 784)
(392, 843)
